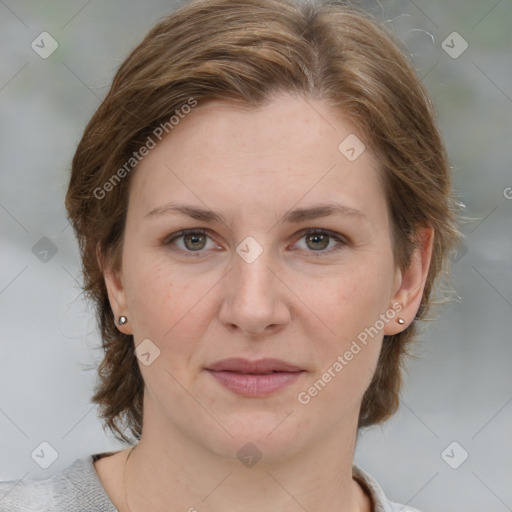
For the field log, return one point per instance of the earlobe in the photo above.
(409, 291)
(116, 295)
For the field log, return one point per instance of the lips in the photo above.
(254, 378)
(261, 366)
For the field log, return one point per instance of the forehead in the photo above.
(284, 122)
(289, 150)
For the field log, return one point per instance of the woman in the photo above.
(263, 206)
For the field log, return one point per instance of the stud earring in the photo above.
(401, 321)
(122, 320)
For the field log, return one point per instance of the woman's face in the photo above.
(252, 283)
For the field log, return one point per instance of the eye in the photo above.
(318, 240)
(194, 241)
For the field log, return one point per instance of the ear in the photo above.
(116, 291)
(410, 282)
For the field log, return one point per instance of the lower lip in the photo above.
(251, 384)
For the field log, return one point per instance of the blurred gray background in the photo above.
(457, 402)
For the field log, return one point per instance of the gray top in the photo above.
(78, 489)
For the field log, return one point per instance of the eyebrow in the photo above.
(293, 216)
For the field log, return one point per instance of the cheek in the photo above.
(168, 305)
(347, 354)
(159, 298)
(353, 299)
(350, 304)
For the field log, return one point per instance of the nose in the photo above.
(255, 300)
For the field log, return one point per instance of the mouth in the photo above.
(261, 366)
(254, 378)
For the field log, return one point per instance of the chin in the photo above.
(263, 435)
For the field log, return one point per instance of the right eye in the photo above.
(193, 241)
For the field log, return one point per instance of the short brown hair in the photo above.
(242, 51)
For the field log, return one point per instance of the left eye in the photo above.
(319, 239)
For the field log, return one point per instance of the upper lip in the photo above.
(238, 364)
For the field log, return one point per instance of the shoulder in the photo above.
(19, 495)
(76, 488)
(380, 502)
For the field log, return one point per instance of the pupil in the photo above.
(194, 239)
(324, 238)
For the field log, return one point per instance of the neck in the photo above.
(169, 471)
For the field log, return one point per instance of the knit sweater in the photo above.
(78, 489)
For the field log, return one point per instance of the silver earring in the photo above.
(401, 321)
(122, 320)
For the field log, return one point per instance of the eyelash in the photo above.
(312, 231)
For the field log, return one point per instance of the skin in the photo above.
(291, 303)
